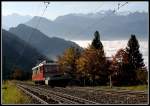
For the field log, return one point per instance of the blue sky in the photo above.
(56, 9)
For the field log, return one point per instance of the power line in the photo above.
(121, 5)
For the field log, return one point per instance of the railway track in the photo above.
(123, 92)
(51, 97)
(112, 91)
(38, 100)
(74, 95)
(103, 96)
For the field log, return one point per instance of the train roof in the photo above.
(44, 63)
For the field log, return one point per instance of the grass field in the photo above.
(133, 88)
(30, 82)
(12, 95)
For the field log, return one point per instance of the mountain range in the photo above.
(13, 20)
(48, 46)
(111, 26)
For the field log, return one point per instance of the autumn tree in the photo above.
(91, 66)
(119, 68)
(82, 65)
(67, 61)
(18, 74)
(128, 65)
(92, 62)
(142, 76)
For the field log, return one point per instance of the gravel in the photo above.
(104, 97)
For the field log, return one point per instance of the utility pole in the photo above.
(110, 81)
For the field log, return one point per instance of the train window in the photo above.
(41, 68)
(38, 71)
(46, 69)
(35, 72)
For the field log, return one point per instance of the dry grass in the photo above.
(133, 88)
(12, 95)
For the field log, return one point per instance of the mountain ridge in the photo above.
(49, 46)
(77, 27)
(13, 20)
(17, 53)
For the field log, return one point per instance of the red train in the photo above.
(48, 73)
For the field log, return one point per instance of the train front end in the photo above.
(49, 74)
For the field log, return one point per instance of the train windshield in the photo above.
(51, 68)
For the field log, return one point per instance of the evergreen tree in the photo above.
(135, 60)
(135, 57)
(96, 43)
(129, 65)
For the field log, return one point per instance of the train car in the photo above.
(49, 74)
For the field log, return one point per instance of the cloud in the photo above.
(111, 47)
(56, 9)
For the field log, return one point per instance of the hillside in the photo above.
(49, 46)
(17, 53)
